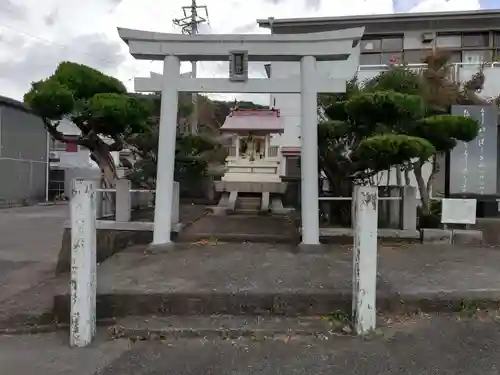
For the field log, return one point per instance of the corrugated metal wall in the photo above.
(23, 157)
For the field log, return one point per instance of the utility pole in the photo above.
(189, 25)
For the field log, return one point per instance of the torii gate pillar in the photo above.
(309, 151)
(166, 151)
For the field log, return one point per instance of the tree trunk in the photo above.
(407, 177)
(422, 188)
(106, 164)
(399, 179)
(434, 171)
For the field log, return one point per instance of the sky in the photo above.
(35, 35)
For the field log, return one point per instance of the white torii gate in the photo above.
(334, 46)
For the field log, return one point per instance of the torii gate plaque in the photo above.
(334, 46)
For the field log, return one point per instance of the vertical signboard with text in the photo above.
(473, 165)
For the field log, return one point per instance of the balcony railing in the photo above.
(272, 151)
(231, 151)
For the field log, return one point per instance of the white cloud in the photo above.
(35, 35)
(446, 5)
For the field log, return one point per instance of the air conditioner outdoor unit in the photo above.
(54, 156)
(428, 37)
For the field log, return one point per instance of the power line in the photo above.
(192, 18)
(55, 43)
(61, 46)
(189, 25)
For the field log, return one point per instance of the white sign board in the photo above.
(458, 211)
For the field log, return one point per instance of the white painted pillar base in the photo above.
(83, 263)
(309, 152)
(175, 204)
(365, 204)
(166, 151)
(237, 147)
(266, 146)
(123, 208)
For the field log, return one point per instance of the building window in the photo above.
(496, 56)
(449, 41)
(475, 40)
(371, 45)
(455, 57)
(391, 58)
(415, 56)
(370, 59)
(382, 44)
(392, 44)
(476, 56)
(496, 41)
(378, 51)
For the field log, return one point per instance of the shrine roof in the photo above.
(253, 120)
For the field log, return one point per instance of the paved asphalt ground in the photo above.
(30, 239)
(421, 345)
(29, 243)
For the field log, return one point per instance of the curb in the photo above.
(217, 333)
(272, 304)
(242, 237)
(47, 328)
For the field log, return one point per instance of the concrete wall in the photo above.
(23, 156)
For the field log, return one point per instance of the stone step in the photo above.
(249, 199)
(246, 211)
(248, 203)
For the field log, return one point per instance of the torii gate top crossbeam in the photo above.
(331, 45)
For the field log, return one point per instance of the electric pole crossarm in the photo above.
(189, 25)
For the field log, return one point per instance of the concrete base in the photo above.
(467, 237)
(278, 208)
(436, 236)
(345, 235)
(227, 203)
(109, 242)
(112, 237)
(452, 236)
(250, 187)
(490, 228)
(219, 210)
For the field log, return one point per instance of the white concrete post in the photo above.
(365, 201)
(166, 151)
(83, 263)
(394, 206)
(309, 152)
(123, 200)
(266, 146)
(175, 204)
(409, 208)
